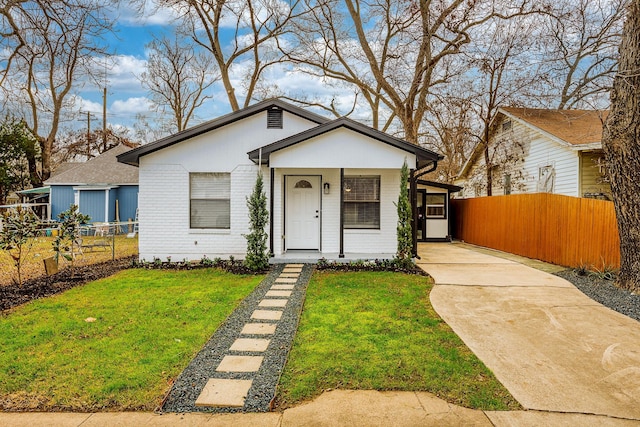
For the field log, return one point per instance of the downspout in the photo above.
(413, 183)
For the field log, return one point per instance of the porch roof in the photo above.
(423, 156)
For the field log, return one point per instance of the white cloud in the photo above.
(130, 106)
(152, 14)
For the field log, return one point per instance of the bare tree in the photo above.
(253, 27)
(72, 146)
(178, 77)
(582, 37)
(46, 47)
(394, 53)
(504, 74)
(620, 141)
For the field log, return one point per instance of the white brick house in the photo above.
(331, 185)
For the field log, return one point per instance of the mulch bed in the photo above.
(44, 286)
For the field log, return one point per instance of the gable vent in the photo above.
(274, 118)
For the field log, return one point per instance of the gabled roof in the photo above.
(423, 155)
(103, 169)
(132, 157)
(575, 127)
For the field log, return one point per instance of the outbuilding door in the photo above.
(302, 213)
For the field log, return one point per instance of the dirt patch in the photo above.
(44, 286)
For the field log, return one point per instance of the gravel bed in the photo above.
(605, 292)
(187, 388)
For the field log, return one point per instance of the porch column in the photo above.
(413, 196)
(272, 174)
(341, 254)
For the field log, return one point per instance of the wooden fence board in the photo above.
(563, 230)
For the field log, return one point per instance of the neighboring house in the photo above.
(332, 185)
(534, 150)
(102, 188)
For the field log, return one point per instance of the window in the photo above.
(506, 126)
(507, 183)
(361, 196)
(303, 183)
(546, 179)
(210, 206)
(274, 119)
(436, 205)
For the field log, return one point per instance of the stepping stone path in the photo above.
(240, 366)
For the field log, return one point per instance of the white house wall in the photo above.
(438, 228)
(538, 150)
(164, 188)
(342, 148)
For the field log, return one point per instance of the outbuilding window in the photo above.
(361, 197)
(436, 205)
(210, 205)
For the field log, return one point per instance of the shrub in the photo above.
(19, 228)
(257, 257)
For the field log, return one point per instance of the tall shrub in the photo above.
(18, 230)
(404, 255)
(257, 256)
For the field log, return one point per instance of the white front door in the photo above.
(302, 212)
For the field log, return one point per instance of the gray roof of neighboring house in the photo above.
(132, 157)
(100, 170)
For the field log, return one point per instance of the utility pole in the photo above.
(88, 133)
(104, 119)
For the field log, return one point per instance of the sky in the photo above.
(127, 98)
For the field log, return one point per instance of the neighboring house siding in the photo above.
(92, 204)
(528, 151)
(127, 196)
(62, 196)
(594, 180)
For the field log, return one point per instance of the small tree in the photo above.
(404, 256)
(19, 227)
(257, 256)
(69, 232)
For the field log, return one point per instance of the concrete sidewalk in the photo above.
(552, 347)
(334, 408)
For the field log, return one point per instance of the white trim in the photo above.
(106, 205)
(95, 187)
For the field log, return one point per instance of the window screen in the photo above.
(210, 200)
(361, 196)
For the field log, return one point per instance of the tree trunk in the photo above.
(621, 144)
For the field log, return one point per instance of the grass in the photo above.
(378, 331)
(148, 325)
(42, 248)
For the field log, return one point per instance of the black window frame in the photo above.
(356, 206)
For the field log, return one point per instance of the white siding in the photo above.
(529, 150)
(384, 240)
(342, 148)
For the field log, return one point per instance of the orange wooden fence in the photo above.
(562, 230)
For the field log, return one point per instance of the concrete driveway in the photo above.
(552, 347)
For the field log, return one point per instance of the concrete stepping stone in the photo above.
(266, 314)
(240, 364)
(290, 275)
(258, 329)
(285, 294)
(223, 392)
(291, 270)
(286, 280)
(293, 265)
(250, 344)
(284, 287)
(273, 303)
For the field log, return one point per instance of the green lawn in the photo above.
(148, 325)
(378, 331)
